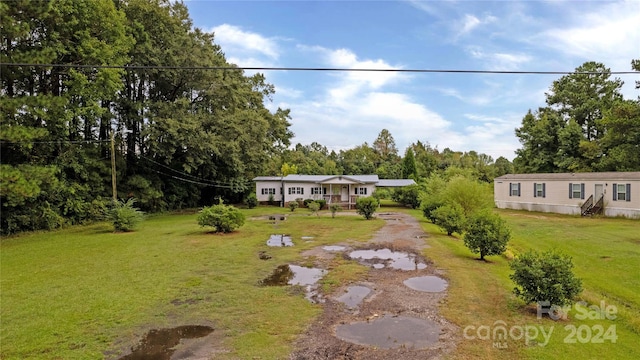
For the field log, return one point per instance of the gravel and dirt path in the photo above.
(389, 298)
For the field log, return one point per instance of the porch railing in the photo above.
(584, 209)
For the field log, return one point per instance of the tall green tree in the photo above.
(584, 96)
(409, 168)
(51, 149)
(621, 141)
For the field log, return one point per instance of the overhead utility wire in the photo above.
(199, 179)
(253, 68)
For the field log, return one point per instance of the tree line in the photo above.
(183, 136)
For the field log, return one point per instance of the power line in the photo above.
(195, 178)
(55, 142)
(321, 69)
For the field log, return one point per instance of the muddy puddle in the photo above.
(297, 275)
(280, 240)
(333, 248)
(354, 296)
(427, 283)
(387, 258)
(388, 332)
(160, 344)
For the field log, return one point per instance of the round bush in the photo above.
(124, 216)
(544, 276)
(223, 218)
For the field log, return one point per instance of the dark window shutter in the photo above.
(356, 191)
(615, 192)
(582, 191)
(628, 192)
(570, 191)
(535, 190)
(544, 190)
(510, 193)
(518, 189)
(365, 190)
(302, 191)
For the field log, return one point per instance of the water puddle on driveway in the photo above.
(280, 240)
(354, 296)
(382, 258)
(390, 332)
(334, 248)
(159, 344)
(297, 275)
(427, 283)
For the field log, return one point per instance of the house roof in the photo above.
(327, 178)
(574, 176)
(395, 182)
(318, 179)
(267, 178)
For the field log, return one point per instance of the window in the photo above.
(622, 192)
(269, 191)
(361, 191)
(318, 191)
(514, 189)
(576, 191)
(539, 190)
(296, 190)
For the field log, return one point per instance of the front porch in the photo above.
(348, 204)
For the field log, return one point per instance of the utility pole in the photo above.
(113, 166)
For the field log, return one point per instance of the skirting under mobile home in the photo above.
(607, 193)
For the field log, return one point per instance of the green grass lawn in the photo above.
(606, 255)
(80, 292)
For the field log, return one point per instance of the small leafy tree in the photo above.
(450, 218)
(124, 216)
(486, 234)
(272, 199)
(223, 218)
(251, 201)
(544, 276)
(293, 205)
(314, 207)
(334, 209)
(367, 206)
(429, 205)
(407, 195)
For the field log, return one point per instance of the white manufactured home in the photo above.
(608, 193)
(334, 189)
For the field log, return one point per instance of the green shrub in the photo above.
(367, 206)
(381, 193)
(450, 218)
(486, 234)
(223, 218)
(544, 277)
(429, 205)
(314, 207)
(407, 195)
(251, 201)
(306, 202)
(322, 203)
(272, 199)
(124, 216)
(334, 209)
(293, 205)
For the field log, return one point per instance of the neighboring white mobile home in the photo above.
(609, 193)
(334, 189)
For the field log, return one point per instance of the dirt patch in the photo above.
(390, 299)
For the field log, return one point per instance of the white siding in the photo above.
(557, 198)
(276, 185)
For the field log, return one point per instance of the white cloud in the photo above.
(236, 40)
(612, 30)
(499, 61)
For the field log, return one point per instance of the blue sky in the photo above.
(461, 111)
